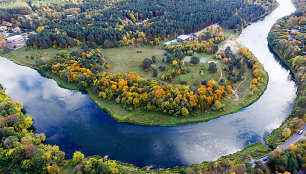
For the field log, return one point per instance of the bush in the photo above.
(169, 59)
(204, 82)
(75, 53)
(183, 82)
(162, 67)
(146, 64)
(12, 119)
(218, 106)
(194, 60)
(155, 73)
(212, 67)
(153, 59)
(78, 157)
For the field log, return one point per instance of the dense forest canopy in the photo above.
(116, 23)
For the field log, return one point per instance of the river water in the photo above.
(74, 122)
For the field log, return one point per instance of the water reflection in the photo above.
(72, 121)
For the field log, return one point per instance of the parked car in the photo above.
(265, 159)
(300, 132)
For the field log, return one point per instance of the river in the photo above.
(74, 122)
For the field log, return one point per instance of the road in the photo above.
(283, 146)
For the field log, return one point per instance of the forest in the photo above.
(118, 23)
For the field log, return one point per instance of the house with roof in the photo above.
(69, 16)
(3, 28)
(183, 38)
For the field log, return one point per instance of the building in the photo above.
(5, 33)
(32, 33)
(139, 23)
(15, 42)
(69, 16)
(183, 38)
(16, 29)
(15, 38)
(3, 28)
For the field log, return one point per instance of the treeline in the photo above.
(112, 24)
(287, 39)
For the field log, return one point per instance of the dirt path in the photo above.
(231, 42)
(220, 71)
(235, 90)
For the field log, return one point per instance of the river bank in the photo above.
(296, 119)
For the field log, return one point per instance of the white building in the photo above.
(69, 16)
(15, 38)
(183, 38)
(3, 28)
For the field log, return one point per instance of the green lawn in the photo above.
(126, 59)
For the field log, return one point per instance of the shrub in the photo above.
(155, 73)
(194, 60)
(212, 67)
(78, 157)
(146, 64)
(12, 119)
(162, 67)
(153, 59)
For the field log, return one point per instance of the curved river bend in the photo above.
(74, 122)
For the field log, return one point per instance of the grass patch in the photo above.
(126, 59)
(255, 151)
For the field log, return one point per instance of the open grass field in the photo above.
(126, 59)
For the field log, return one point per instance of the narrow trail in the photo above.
(235, 90)
(220, 71)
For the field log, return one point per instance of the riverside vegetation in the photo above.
(287, 39)
(22, 151)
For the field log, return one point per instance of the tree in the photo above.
(212, 67)
(78, 157)
(154, 59)
(146, 64)
(286, 132)
(185, 112)
(136, 102)
(12, 119)
(53, 169)
(155, 73)
(194, 60)
(107, 43)
(162, 67)
(28, 122)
